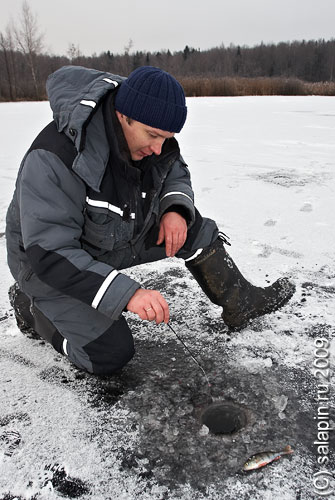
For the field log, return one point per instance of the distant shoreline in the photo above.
(234, 87)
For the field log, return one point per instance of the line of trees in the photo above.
(235, 70)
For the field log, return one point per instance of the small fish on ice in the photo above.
(265, 458)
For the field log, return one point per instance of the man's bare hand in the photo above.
(149, 305)
(172, 230)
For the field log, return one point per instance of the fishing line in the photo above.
(190, 353)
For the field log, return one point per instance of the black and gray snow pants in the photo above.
(91, 340)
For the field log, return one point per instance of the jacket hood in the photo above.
(74, 92)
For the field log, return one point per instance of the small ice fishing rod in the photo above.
(190, 353)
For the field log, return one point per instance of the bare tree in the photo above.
(73, 52)
(7, 45)
(129, 46)
(29, 41)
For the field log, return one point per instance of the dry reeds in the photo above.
(200, 86)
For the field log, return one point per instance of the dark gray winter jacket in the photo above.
(82, 210)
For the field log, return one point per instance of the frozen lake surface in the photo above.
(264, 169)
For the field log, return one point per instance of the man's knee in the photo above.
(202, 234)
(111, 351)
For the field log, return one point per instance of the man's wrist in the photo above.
(179, 209)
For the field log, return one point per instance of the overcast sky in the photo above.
(100, 25)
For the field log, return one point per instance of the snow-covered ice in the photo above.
(264, 169)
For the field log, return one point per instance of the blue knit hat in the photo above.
(153, 97)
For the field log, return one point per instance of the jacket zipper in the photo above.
(150, 211)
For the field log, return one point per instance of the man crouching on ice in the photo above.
(103, 188)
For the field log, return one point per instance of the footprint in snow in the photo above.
(270, 222)
(307, 207)
(55, 477)
(15, 417)
(9, 496)
(10, 440)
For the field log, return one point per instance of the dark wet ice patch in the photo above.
(168, 407)
(292, 178)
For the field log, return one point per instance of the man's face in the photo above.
(142, 140)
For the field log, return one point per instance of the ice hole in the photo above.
(224, 418)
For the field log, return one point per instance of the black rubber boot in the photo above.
(222, 282)
(31, 321)
(22, 310)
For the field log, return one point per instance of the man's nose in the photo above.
(156, 147)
